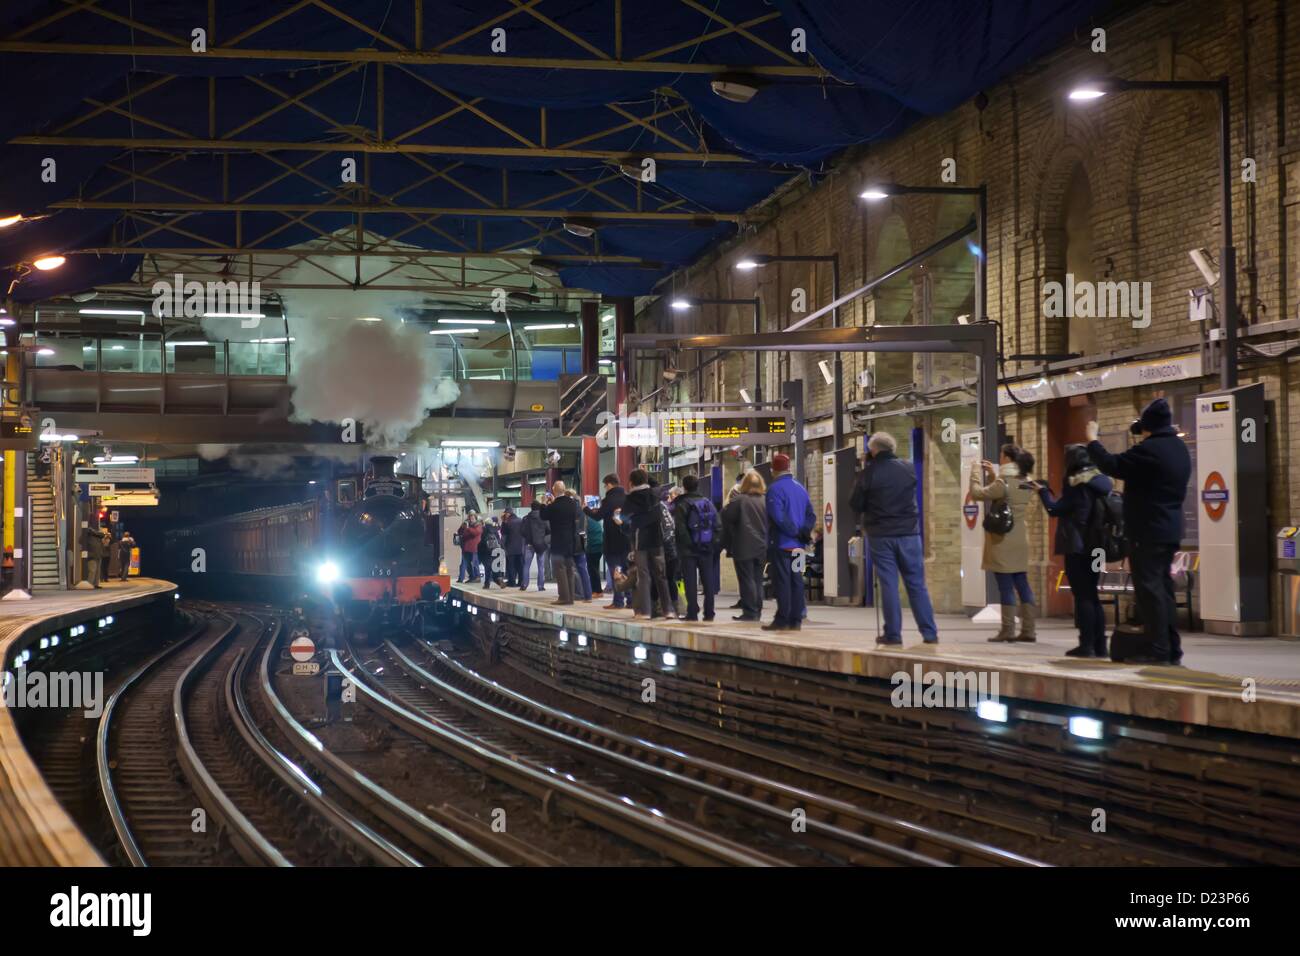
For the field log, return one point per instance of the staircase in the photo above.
(45, 546)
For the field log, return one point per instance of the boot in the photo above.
(1028, 631)
(1007, 632)
(1085, 648)
(1099, 644)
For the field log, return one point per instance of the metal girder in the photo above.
(412, 58)
(379, 208)
(387, 148)
(367, 253)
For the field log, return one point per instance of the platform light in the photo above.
(7, 321)
(582, 640)
(826, 371)
(607, 318)
(45, 642)
(108, 619)
(470, 443)
(327, 572)
(1085, 93)
(548, 326)
(873, 194)
(191, 341)
(670, 659)
(7, 221)
(1087, 727)
(746, 265)
(992, 710)
(54, 641)
(134, 312)
(46, 263)
(494, 617)
(369, 318)
(564, 636)
(465, 331)
(176, 596)
(680, 304)
(640, 653)
(45, 351)
(233, 315)
(744, 396)
(467, 321)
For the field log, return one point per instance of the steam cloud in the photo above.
(383, 375)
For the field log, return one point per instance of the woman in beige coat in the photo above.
(1007, 555)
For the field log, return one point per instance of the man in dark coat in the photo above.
(617, 542)
(512, 534)
(1155, 473)
(699, 537)
(642, 510)
(563, 514)
(537, 539)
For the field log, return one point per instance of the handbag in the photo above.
(999, 519)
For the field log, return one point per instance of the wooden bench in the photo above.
(1116, 582)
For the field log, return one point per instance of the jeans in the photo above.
(749, 572)
(468, 567)
(562, 565)
(616, 561)
(651, 580)
(514, 570)
(699, 567)
(529, 554)
(889, 556)
(1154, 590)
(583, 579)
(788, 587)
(1089, 617)
(1011, 584)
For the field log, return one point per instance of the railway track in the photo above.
(778, 821)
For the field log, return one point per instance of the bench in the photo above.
(1116, 582)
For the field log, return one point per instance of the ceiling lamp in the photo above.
(46, 263)
(7, 221)
(736, 87)
(581, 227)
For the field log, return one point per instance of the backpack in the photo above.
(700, 519)
(999, 519)
(1105, 528)
(669, 529)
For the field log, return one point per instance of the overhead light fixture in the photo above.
(580, 226)
(746, 265)
(607, 318)
(8, 221)
(680, 304)
(547, 326)
(134, 312)
(453, 331)
(369, 318)
(469, 443)
(873, 193)
(1089, 92)
(963, 319)
(234, 315)
(517, 484)
(46, 263)
(7, 321)
(194, 342)
(467, 321)
(45, 351)
(736, 87)
(117, 459)
(826, 371)
(744, 397)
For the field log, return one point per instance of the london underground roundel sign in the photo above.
(970, 511)
(1214, 496)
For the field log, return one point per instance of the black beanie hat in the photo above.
(1156, 415)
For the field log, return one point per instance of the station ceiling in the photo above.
(462, 153)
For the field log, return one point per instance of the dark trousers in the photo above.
(651, 583)
(593, 571)
(1089, 617)
(788, 588)
(698, 570)
(749, 572)
(514, 569)
(617, 560)
(1154, 590)
(565, 576)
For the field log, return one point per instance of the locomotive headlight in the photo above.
(327, 572)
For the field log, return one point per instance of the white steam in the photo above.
(383, 375)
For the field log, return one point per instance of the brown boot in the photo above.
(1007, 632)
(1028, 621)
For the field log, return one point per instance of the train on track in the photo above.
(365, 543)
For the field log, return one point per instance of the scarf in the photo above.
(1083, 477)
(1009, 470)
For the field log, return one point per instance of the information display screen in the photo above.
(724, 429)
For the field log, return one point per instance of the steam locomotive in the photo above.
(365, 544)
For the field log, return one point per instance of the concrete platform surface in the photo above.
(1212, 689)
(34, 828)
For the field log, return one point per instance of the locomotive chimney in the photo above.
(383, 466)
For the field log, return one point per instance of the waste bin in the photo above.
(1288, 581)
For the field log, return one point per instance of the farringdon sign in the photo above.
(1131, 375)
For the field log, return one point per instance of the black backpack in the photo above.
(701, 516)
(1105, 528)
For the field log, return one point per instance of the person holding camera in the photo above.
(1006, 540)
(790, 520)
(1155, 473)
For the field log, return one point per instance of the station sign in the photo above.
(131, 499)
(116, 475)
(99, 489)
(688, 428)
(1081, 381)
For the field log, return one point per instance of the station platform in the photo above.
(34, 828)
(1209, 690)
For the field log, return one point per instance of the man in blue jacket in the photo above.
(1155, 473)
(790, 521)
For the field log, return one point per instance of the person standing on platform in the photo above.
(125, 546)
(790, 520)
(1006, 551)
(1155, 473)
(595, 545)
(562, 515)
(537, 541)
(617, 544)
(644, 511)
(512, 536)
(582, 589)
(885, 499)
(699, 536)
(468, 536)
(96, 542)
(1084, 486)
(744, 535)
(489, 546)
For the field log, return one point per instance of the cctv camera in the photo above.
(552, 457)
(510, 452)
(1205, 263)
